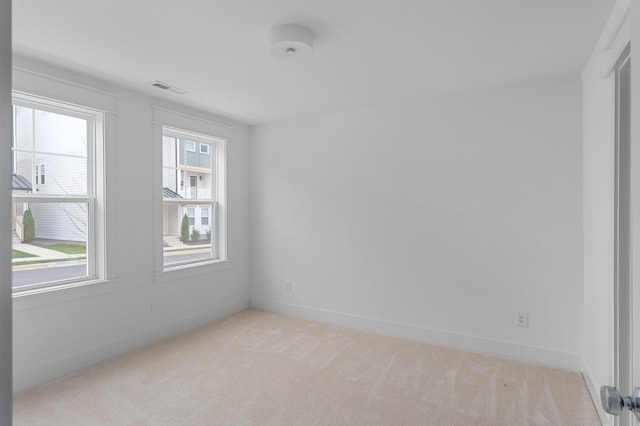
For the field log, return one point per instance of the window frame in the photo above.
(94, 197)
(217, 207)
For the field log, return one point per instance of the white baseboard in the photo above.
(594, 391)
(23, 380)
(530, 354)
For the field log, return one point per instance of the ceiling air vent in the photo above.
(168, 88)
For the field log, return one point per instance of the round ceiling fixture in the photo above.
(290, 42)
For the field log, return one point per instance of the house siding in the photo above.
(60, 221)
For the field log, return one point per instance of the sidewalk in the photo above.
(43, 258)
(173, 245)
(41, 253)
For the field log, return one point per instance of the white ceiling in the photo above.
(366, 51)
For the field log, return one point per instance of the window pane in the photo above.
(23, 166)
(23, 131)
(188, 193)
(62, 175)
(200, 252)
(50, 242)
(169, 157)
(195, 244)
(170, 180)
(187, 171)
(60, 134)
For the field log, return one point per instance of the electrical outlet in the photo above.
(149, 308)
(522, 319)
(287, 286)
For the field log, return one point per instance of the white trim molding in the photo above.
(594, 392)
(514, 351)
(47, 86)
(6, 320)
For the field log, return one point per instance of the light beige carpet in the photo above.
(260, 368)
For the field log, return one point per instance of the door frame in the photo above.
(624, 241)
(635, 194)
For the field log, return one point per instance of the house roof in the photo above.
(167, 193)
(20, 183)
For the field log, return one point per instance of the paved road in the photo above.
(45, 274)
(56, 272)
(175, 258)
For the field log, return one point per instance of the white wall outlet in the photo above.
(522, 319)
(287, 286)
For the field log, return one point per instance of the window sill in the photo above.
(35, 298)
(187, 271)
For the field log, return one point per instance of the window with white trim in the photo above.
(55, 228)
(193, 192)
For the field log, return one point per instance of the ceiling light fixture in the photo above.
(290, 42)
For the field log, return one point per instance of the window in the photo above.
(54, 224)
(40, 180)
(204, 216)
(193, 188)
(191, 214)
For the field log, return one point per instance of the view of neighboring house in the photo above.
(50, 158)
(187, 175)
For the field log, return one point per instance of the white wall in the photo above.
(598, 204)
(5, 213)
(435, 219)
(61, 331)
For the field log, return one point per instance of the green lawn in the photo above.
(189, 249)
(17, 254)
(65, 248)
(34, 262)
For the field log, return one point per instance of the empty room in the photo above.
(319, 212)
